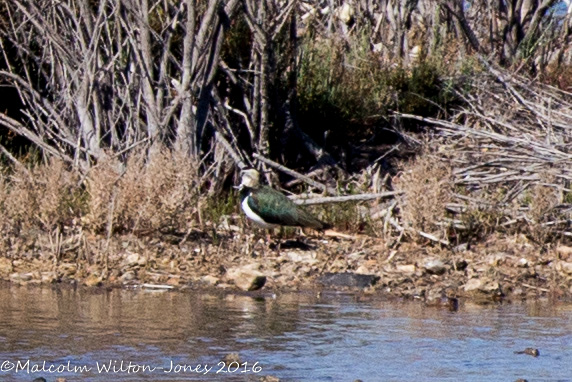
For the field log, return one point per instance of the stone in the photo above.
(210, 280)
(408, 269)
(439, 298)
(483, 285)
(93, 280)
(472, 285)
(127, 276)
(269, 378)
(564, 267)
(522, 263)
(21, 277)
(564, 251)
(435, 266)
(246, 278)
(345, 13)
(348, 279)
(49, 277)
(5, 266)
(301, 257)
(231, 357)
(134, 259)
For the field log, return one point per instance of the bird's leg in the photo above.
(279, 243)
(278, 240)
(258, 240)
(268, 239)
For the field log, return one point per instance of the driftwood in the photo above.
(401, 229)
(305, 200)
(237, 159)
(512, 140)
(295, 174)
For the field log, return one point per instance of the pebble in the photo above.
(435, 266)
(93, 280)
(301, 257)
(246, 278)
(564, 267)
(134, 259)
(408, 269)
(127, 276)
(210, 280)
(231, 357)
(482, 285)
(21, 277)
(522, 263)
(564, 251)
(269, 378)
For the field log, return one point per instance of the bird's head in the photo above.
(249, 178)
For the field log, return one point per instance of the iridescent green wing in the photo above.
(275, 208)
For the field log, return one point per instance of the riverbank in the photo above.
(496, 269)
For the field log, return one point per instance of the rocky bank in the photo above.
(493, 270)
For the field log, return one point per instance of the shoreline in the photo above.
(501, 268)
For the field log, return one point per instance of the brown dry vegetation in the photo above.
(148, 194)
(427, 186)
(145, 223)
(42, 198)
(473, 152)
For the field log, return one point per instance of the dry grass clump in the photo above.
(44, 197)
(543, 217)
(427, 186)
(154, 193)
(158, 192)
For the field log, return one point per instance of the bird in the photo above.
(269, 208)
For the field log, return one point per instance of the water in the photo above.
(296, 337)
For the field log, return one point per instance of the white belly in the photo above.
(252, 216)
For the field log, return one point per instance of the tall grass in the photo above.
(160, 194)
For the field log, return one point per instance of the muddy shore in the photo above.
(497, 269)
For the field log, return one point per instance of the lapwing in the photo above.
(269, 208)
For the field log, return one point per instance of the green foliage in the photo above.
(218, 206)
(237, 45)
(567, 198)
(334, 87)
(350, 91)
(478, 223)
(345, 216)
